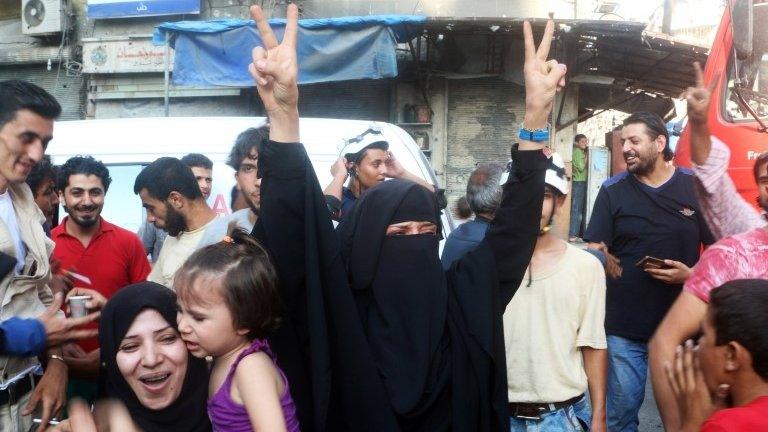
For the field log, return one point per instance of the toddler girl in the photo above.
(227, 294)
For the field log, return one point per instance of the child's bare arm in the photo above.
(259, 385)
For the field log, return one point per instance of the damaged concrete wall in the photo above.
(484, 116)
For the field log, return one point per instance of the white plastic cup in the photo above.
(77, 306)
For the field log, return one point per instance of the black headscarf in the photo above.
(401, 293)
(188, 412)
(363, 231)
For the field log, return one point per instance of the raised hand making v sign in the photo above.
(543, 79)
(275, 70)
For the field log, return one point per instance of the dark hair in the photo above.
(484, 188)
(248, 139)
(248, 278)
(40, 172)
(462, 209)
(738, 311)
(16, 95)
(578, 137)
(360, 155)
(196, 160)
(654, 127)
(759, 162)
(166, 175)
(82, 165)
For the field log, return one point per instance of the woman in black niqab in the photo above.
(188, 412)
(400, 290)
(376, 337)
(437, 337)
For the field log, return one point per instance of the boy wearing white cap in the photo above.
(366, 161)
(553, 331)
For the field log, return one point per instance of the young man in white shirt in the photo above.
(27, 113)
(175, 203)
(244, 159)
(554, 333)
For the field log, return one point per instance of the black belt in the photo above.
(534, 410)
(16, 391)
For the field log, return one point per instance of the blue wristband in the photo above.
(537, 135)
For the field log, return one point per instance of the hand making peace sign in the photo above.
(542, 78)
(275, 70)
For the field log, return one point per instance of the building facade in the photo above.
(458, 92)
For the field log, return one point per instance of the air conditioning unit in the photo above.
(42, 17)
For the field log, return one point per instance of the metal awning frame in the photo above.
(641, 62)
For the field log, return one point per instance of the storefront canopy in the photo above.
(333, 49)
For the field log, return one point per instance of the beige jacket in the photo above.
(26, 295)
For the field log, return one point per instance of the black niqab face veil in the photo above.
(363, 231)
(188, 412)
(400, 290)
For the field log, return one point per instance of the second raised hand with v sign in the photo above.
(543, 79)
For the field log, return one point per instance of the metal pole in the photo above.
(167, 75)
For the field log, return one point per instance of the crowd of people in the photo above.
(327, 310)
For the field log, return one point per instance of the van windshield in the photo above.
(748, 78)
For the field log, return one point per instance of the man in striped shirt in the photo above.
(741, 252)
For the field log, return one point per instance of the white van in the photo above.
(128, 145)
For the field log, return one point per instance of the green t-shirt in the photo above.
(579, 164)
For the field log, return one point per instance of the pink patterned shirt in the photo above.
(724, 210)
(742, 252)
(741, 256)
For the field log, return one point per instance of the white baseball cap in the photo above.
(556, 177)
(354, 145)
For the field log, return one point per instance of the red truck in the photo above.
(738, 114)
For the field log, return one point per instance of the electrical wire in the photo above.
(64, 37)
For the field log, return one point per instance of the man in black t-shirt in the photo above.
(651, 210)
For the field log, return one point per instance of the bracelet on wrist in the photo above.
(59, 358)
(535, 135)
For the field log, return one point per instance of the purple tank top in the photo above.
(227, 415)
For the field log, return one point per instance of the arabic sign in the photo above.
(123, 55)
(134, 8)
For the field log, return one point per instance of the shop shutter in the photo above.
(357, 100)
(68, 90)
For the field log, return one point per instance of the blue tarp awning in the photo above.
(331, 49)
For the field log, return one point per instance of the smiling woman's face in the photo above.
(153, 360)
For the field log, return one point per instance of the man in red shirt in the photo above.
(724, 386)
(110, 256)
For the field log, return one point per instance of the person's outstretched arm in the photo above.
(512, 234)
(724, 210)
(287, 182)
(682, 321)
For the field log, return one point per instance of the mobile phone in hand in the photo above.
(653, 262)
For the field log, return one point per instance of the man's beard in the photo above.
(254, 206)
(85, 223)
(174, 221)
(644, 164)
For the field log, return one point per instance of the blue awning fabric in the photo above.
(331, 49)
